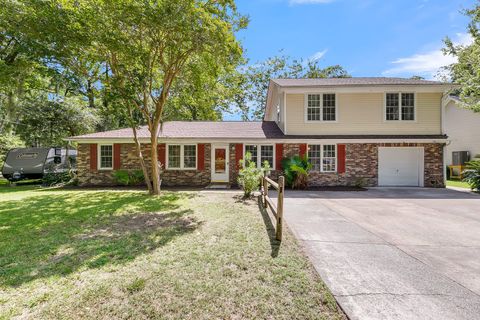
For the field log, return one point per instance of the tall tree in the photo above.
(150, 44)
(254, 80)
(466, 71)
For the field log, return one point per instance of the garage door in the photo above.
(400, 167)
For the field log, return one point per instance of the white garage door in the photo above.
(401, 167)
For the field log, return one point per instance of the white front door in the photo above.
(402, 166)
(220, 163)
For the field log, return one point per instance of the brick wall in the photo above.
(129, 161)
(361, 164)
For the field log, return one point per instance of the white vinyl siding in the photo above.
(364, 113)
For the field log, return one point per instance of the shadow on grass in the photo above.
(274, 243)
(56, 234)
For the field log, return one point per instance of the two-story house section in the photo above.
(355, 131)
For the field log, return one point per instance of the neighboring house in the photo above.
(355, 131)
(463, 129)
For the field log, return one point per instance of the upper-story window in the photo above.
(400, 106)
(321, 107)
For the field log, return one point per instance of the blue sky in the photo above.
(367, 37)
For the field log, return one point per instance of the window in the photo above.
(315, 156)
(329, 158)
(182, 156)
(328, 104)
(106, 156)
(400, 106)
(253, 152)
(266, 154)
(321, 107)
(313, 107)
(190, 157)
(323, 157)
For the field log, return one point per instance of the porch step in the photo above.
(218, 186)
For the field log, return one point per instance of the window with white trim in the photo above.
(106, 156)
(399, 106)
(266, 153)
(182, 156)
(323, 157)
(321, 107)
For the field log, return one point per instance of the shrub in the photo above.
(296, 171)
(128, 177)
(249, 175)
(472, 174)
(55, 178)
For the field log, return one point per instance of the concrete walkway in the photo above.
(393, 253)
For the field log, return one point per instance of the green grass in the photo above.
(122, 254)
(458, 184)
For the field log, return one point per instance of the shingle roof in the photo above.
(231, 130)
(357, 81)
(199, 129)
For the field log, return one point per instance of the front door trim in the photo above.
(216, 177)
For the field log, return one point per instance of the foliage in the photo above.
(46, 123)
(472, 174)
(56, 178)
(466, 71)
(296, 171)
(249, 175)
(254, 80)
(7, 142)
(128, 177)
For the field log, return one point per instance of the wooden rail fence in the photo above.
(268, 202)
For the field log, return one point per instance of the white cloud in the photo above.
(317, 55)
(295, 2)
(427, 64)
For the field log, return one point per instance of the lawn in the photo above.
(458, 184)
(123, 254)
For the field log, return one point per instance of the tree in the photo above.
(251, 99)
(149, 45)
(466, 71)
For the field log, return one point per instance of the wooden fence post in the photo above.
(281, 190)
(265, 192)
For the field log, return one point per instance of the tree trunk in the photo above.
(142, 160)
(154, 160)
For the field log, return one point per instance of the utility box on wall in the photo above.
(459, 158)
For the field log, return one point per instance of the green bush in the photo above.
(7, 142)
(471, 175)
(128, 177)
(56, 178)
(296, 171)
(249, 175)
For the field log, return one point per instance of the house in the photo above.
(462, 127)
(355, 131)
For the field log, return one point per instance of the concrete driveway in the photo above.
(393, 253)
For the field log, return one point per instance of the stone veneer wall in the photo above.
(129, 161)
(361, 164)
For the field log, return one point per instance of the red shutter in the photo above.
(303, 149)
(161, 154)
(116, 156)
(341, 154)
(93, 156)
(201, 156)
(278, 156)
(238, 154)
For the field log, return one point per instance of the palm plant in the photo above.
(472, 174)
(296, 171)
